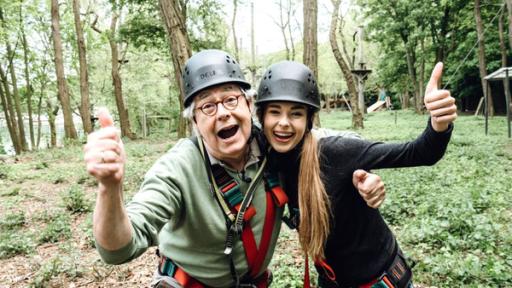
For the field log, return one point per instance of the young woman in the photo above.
(350, 242)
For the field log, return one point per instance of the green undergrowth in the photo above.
(452, 219)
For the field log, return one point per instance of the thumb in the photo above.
(105, 118)
(435, 78)
(358, 176)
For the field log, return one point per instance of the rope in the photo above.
(471, 51)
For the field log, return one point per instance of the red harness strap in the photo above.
(306, 273)
(232, 195)
(167, 267)
(329, 272)
(256, 256)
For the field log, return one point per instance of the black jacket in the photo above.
(360, 246)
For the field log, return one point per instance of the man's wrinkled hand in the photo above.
(104, 153)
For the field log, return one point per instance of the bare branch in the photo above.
(93, 24)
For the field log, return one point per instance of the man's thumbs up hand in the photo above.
(439, 102)
(370, 187)
(104, 153)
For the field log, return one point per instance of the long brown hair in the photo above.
(314, 204)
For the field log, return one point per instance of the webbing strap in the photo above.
(167, 267)
(307, 283)
(213, 184)
(328, 271)
(229, 197)
(265, 237)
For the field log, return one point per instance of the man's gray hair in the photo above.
(188, 113)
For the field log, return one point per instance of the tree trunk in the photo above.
(12, 116)
(481, 58)
(310, 56)
(289, 12)
(405, 99)
(411, 63)
(124, 118)
(173, 14)
(233, 26)
(27, 80)
(17, 102)
(253, 67)
(39, 106)
(421, 80)
(85, 110)
(282, 26)
(14, 83)
(52, 112)
(63, 90)
(310, 40)
(503, 47)
(509, 13)
(12, 131)
(357, 116)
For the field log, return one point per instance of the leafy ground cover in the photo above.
(452, 219)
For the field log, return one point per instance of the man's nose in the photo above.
(222, 112)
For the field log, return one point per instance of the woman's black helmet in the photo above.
(289, 81)
(209, 68)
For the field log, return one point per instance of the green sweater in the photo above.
(175, 210)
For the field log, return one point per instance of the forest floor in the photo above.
(453, 218)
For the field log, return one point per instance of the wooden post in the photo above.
(507, 100)
(144, 127)
(479, 106)
(486, 111)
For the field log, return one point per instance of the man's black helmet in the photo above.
(289, 81)
(209, 68)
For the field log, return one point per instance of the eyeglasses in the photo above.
(210, 108)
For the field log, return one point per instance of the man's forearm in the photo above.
(111, 225)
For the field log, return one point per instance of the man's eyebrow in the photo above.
(203, 95)
(228, 88)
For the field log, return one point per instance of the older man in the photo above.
(210, 203)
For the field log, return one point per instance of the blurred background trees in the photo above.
(61, 59)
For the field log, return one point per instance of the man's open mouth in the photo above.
(228, 132)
